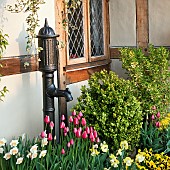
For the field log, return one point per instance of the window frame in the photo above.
(87, 41)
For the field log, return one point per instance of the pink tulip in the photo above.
(95, 134)
(88, 130)
(66, 129)
(65, 134)
(78, 133)
(84, 135)
(50, 137)
(74, 113)
(80, 114)
(75, 130)
(91, 135)
(91, 129)
(153, 107)
(68, 144)
(78, 117)
(80, 129)
(71, 141)
(62, 117)
(43, 134)
(97, 140)
(76, 122)
(92, 139)
(62, 125)
(47, 119)
(51, 125)
(83, 122)
(71, 119)
(62, 151)
(158, 115)
(153, 117)
(158, 124)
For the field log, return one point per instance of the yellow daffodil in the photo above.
(104, 147)
(124, 145)
(114, 161)
(94, 152)
(119, 152)
(128, 161)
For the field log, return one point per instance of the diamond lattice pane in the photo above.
(76, 33)
(96, 27)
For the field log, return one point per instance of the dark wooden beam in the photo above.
(142, 23)
(18, 65)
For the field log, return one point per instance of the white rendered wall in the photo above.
(122, 22)
(122, 28)
(21, 111)
(159, 22)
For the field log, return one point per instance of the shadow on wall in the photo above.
(22, 41)
(2, 10)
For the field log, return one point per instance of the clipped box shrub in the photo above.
(110, 106)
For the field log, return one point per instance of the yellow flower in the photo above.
(104, 147)
(2, 142)
(128, 161)
(124, 145)
(43, 153)
(14, 151)
(114, 162)
(119, 152)
(19, 160)
(94, 152)
(7, 156)
(14, 143)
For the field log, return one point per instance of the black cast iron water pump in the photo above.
(47, 40)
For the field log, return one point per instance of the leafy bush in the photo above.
(110, 106)
(151, 76)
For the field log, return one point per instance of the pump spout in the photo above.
(52, 91)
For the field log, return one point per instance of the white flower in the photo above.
(1, 150)
(104, 146)
(14, 151)
(124, 145)
(29, 155)
(14, 143)
(44, 142)
(128, 161)
(34, 148)
(19, 160)
(34, 155)
(95, 146)
(2, 142)
(43, 153)
(7, 156)
(140, 158)
(23, 136)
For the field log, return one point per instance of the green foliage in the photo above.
(110, 106)
(32, 7)
(152, 137)
(151, 76)
(3, 45)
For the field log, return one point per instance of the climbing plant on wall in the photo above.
(3, 45)
(32, 7)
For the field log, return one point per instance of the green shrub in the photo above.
(110, 106)
(151, 76)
